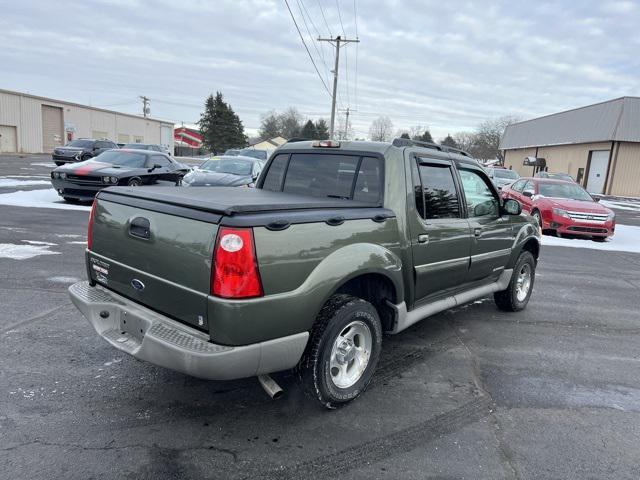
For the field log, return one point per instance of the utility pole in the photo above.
(145, 105)
(346, 122)
(336, 42)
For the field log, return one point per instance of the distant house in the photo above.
(267, 144)
(598, 145)
(187, 141)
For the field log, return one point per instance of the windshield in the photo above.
(137, 146)
(564, 190)
(233, 166)
(510, 174)
(560, 176)
(232, 153)
(248, 152)
(124, 159)
(80, 143)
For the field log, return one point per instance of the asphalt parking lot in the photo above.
(549, 393)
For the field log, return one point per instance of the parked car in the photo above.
(337, 244)
(225, 172)
(255, 153)
(562, 207)
(147, 146)
(502, 176)
(556, 175)
(232, 152)
(81, 181)
(80, 150)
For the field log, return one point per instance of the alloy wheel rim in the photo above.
(350, 354)
(523, 282)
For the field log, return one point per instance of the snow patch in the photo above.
(43, 198)
(77, 243)
(38, 242)
(63, 279)
(11, 183)
(620, 205)
(23, 252)
(68, 235)
(626, 239)
(44, 164)
(115, 360)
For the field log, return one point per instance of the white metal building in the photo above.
(32, 124)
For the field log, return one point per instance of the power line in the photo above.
(355, 21)
(324, 18)
(340, 17)
(305, 47)
(319, 52)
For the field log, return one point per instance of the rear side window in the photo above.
(326, 175)
(436, 196)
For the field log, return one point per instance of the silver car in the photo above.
(502, 176)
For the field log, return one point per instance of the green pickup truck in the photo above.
(338, 244)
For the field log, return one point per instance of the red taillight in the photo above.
(90, 226)
(235, 267)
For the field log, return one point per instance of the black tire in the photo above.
(134, 182)
(59, 163)
(86, 156)
(599, 239)
(509, 299)
(537, 217)
(70, 200)
(314, 369)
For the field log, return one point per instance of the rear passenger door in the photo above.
(491, 241)
(440, 235)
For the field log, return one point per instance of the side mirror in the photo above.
(511, 207)
(483, 209)
(154, 167)
(528, 193)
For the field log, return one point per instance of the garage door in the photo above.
(166, 134)
(597, 171)
(52, 133)
(8, 137)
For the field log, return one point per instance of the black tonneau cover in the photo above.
(230, 201)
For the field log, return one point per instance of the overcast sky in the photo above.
(448, 65)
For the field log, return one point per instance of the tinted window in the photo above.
(159, 160)
(125, 159)
(273, 180)
(480, 198)
(249, 152)
(504, 173)
(368, 184)
(80, 143)
(104, 145)
(436, 196)
(321, 175)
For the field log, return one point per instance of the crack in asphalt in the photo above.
(40, 316)
(109, 446)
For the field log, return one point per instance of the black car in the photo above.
(81, 149)
(255, 153)
(225, 171)
(81, 181)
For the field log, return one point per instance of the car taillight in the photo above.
(90, 226)
(235, 267)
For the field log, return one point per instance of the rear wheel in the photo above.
(59, 163)
(516, 296)
(343, 351)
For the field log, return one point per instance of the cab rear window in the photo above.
(349, 177)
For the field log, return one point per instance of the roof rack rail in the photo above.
(407, 142)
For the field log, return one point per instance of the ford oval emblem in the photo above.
(137, 284)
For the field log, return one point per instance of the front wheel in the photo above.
(516, 296)
(343, 351)
(134, 182)
(536, 216)
(59, 163)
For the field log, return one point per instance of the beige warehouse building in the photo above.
(598, 145)
(32, 124)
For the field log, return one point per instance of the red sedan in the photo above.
(562, 207)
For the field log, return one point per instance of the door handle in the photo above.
(424, 238)
(477, 232)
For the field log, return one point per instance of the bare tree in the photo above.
(381, 129)
(290, 122)
(466, 141)
(488, 135)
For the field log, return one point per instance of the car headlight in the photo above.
(54, 174)
(63, 175)
(106, 179)
(561, 212)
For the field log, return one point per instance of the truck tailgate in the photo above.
(160, 260)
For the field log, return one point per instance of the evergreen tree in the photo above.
(405, 135)
(309, 131)
(449, 142)
(426, 137)
(322, 129)
(220, 127)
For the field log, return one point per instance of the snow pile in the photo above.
(626, 239)
(621, 205)
(9, 182)
(22, 252)
(44, 198)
